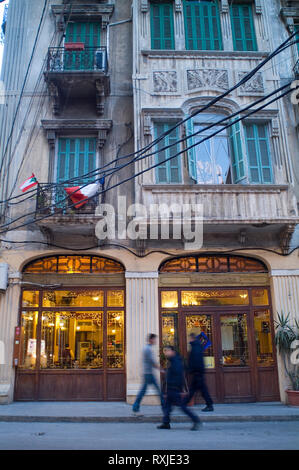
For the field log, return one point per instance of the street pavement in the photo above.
(145, 436)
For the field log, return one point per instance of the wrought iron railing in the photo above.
(53, 200)
(61, 59)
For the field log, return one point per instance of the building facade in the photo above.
(92, 86)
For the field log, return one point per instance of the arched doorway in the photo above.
(72, 322)
(226, 300)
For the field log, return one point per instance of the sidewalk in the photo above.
(120, 412)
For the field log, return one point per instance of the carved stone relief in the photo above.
(207, 78)
(165, 82)
(254, 86)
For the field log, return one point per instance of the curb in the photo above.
(144, 419)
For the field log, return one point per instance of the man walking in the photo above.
(175, 384)
(149, 364)
(197, 370)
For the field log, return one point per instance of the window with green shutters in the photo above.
(237, 152)
(297, 36)
(76, 157)
(258, 153)
(202, 25)
(244, 38)
(162, 25)
(170, 171)
(90, 35)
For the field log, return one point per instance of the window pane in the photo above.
(234, 340)
(61, 298)
(260, 297)
(263, 338)
(28, 340)
(219, 297)
(30, 298)
(169, 299)
(115, 340)
(169, 333)
(115, 298)
(72, 340)
(201, 325)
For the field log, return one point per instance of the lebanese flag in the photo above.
(82, 193)
(32, 181)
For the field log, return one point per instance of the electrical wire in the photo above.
(247, 77)
(149, 168)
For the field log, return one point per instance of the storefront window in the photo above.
(30, 298)
(169, 299)
(201, 326)
(115, 298)
(115, 340)
(216, 297)
(263, 338)
(72, 340)
(260, 297)
(28, 346)
(86, 298)
(234, 340)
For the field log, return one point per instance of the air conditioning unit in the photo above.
(3, 277)
(100, 60)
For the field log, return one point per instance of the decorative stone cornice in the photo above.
(97, 12)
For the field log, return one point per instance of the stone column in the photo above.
(142, 318)
(285, 299)
(9, 310)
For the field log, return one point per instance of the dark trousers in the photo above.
(149, 379)
(199, 384)
(173, 398)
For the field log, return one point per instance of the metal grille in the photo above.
(213, 264)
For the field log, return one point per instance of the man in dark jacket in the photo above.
(197, 370)
(175, 385)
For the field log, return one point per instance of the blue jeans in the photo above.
(148, 379)
(174, 399)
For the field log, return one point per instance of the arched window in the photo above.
(73, 264)
(212, 264)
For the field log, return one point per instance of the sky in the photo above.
(1, 16)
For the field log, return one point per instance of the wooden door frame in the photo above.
(105, 309)
(249, 309)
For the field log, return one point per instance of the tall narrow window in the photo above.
(76, 157)
(297, 36)
(162, 27)
(237, 152)
(90, 35)
(169, 171)
(209, 161)
(258, 152)
(243, 27)
(202, 25)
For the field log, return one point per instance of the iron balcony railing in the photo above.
(53, 200)
(61, 59)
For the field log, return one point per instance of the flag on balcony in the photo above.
(29, 183)
(79, 195)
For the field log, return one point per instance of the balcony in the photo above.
(260, 214)
(59, 212)
(77, 71)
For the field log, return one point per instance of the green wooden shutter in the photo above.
(76, 157)
(162, 27)
(191, 152)
(170, 171)
(297, 36)
(202, 25)
(90, 35)
(259, 159)
(243, 27)
(237, 153)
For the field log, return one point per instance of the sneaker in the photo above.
(164, 426)
(195, 426)
(208, 408)
(137, 413)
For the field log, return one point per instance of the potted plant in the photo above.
(286, 335)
